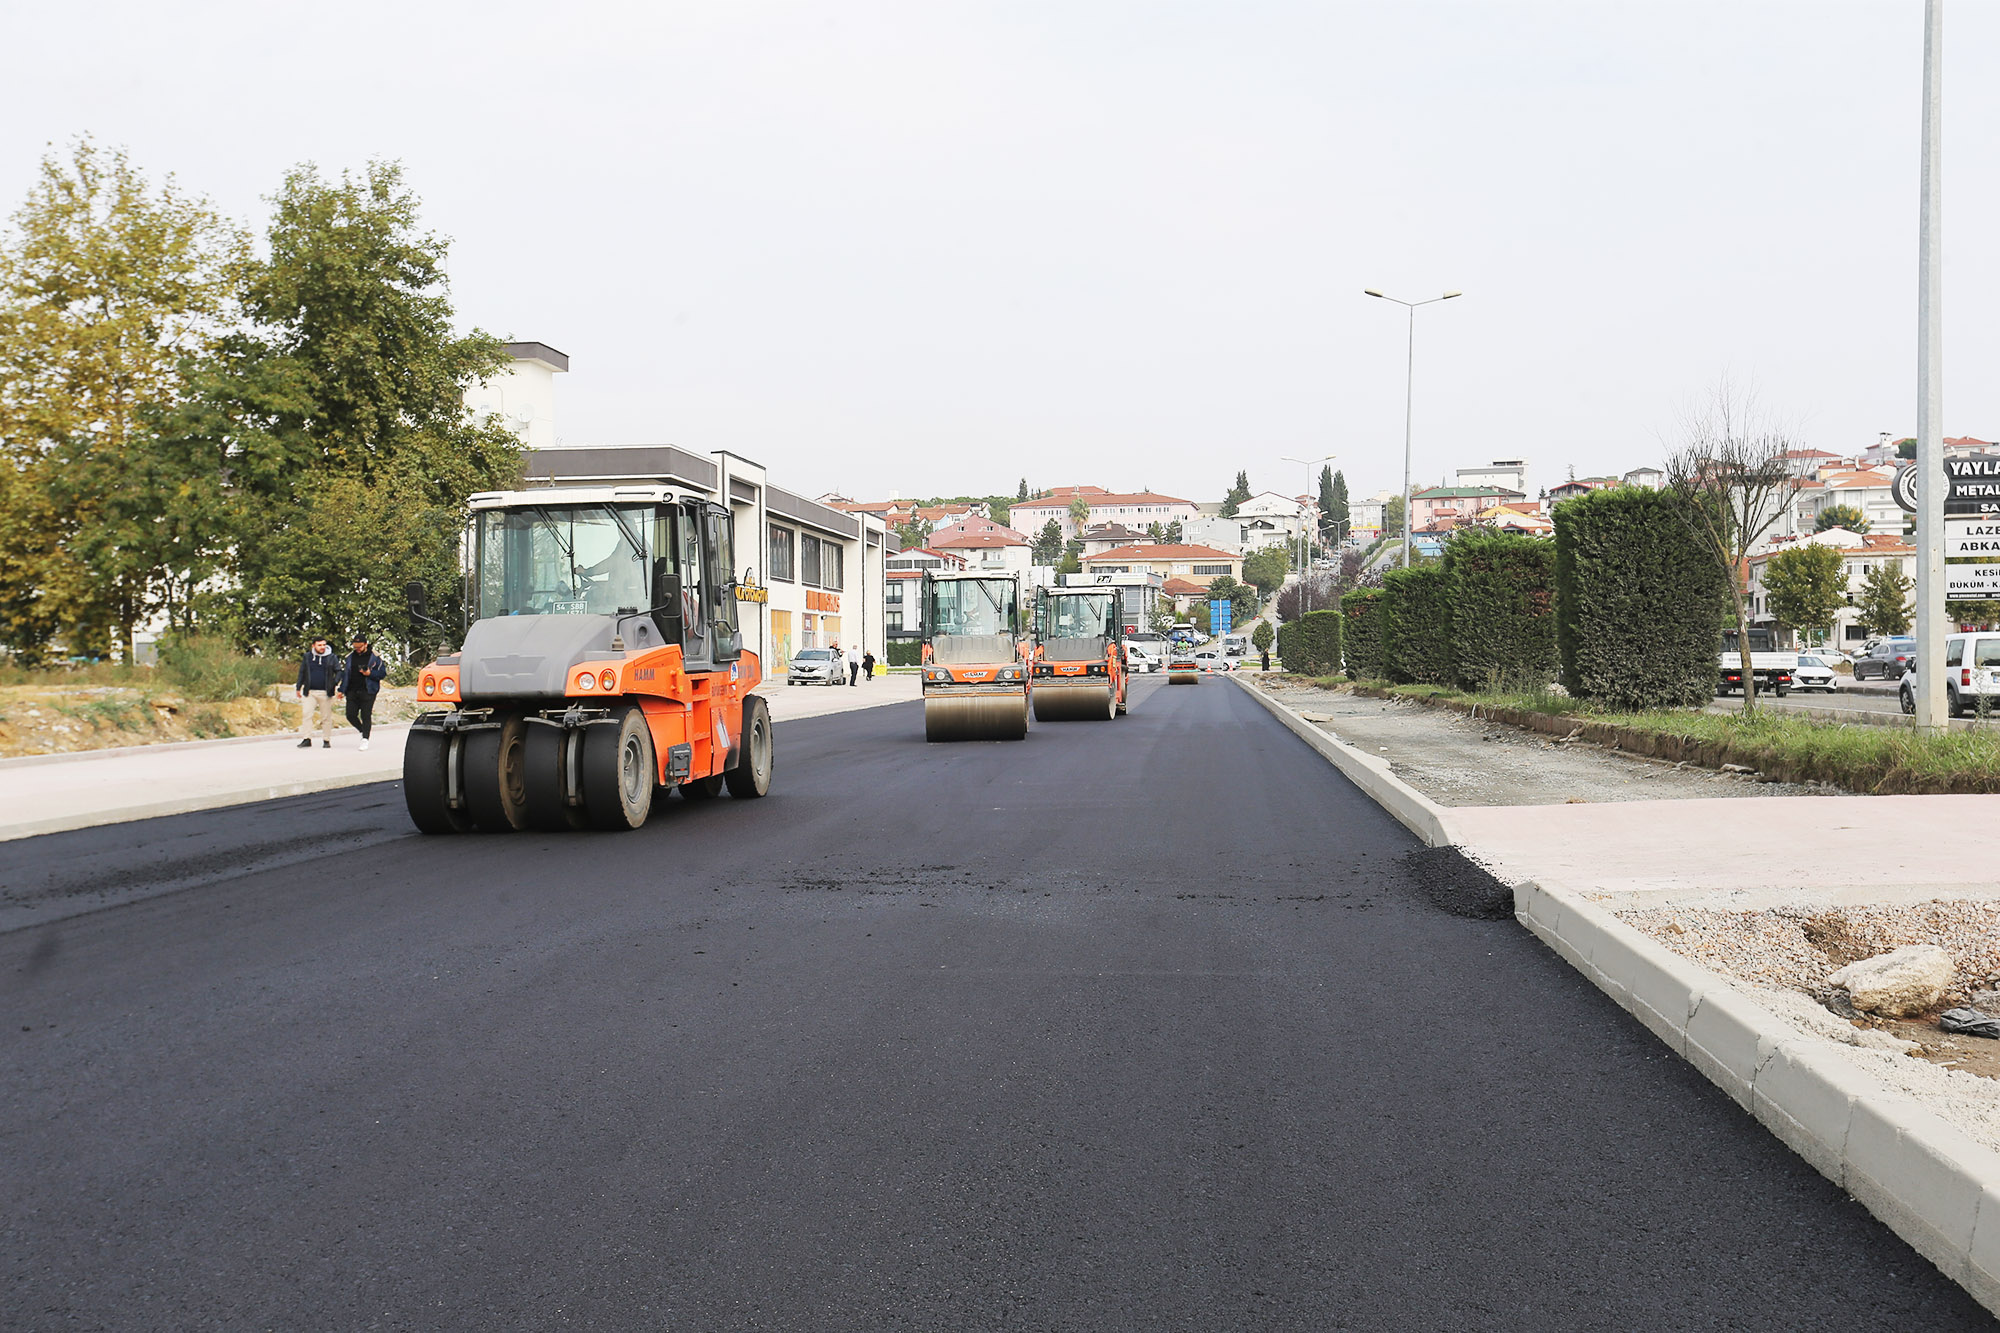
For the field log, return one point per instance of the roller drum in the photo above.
(1070, 703)
(1184, 678)
(990, 717)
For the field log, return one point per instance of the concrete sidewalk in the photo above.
(52, 793)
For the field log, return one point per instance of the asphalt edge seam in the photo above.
(1925, 1179)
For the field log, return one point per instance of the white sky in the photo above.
(932, 246)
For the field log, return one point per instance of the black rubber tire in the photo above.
(619, 771)
(1908, 699)
(495, 790)
(1783, 690)
(702, 789)
(544, 762)
(1952, 707)
(757, 752)
(426, 760)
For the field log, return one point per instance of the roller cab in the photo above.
(976, 663)
(602, 669)
(1079, 657)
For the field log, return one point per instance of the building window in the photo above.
(809, 549)
(1211, 569)
(832, 565)
(781, 554)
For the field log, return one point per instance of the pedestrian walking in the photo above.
(1267, 659)
(319, 677)
(868, 666)
(853, 658)
(360, 677)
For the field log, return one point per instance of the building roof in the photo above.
(974, 523)
(1093, 497)
(1968, 442)
(1183, 588)
(1163, 551)
(1809, 453)
(1840, 481)
(979, 541)
(1462, 492)
(1110, 532)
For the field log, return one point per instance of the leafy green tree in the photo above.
(350, 372)
(107, 287)
(1238, 493)
(913, 532)
(1840, 516)
(1072, 558)
(1047, 546)
(1173, 533)
(1021, 491)
(1334, 518)
(1906, 448)
(1079, 511)
(1884, 604)
(1266, 569)
(1392, 516)
(1805, 587)
(1155, 531)
(1260, 637)
(1244, 599)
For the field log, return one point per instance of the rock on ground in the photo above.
(1899, 983)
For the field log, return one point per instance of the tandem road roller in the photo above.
(1079, 666)
(603, 665)
(976, 676)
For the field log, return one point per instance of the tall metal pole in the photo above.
(1409, 397)
(1931, 483)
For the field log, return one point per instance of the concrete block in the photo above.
(1804, 1093)
(1903, 1164)
(1663, 985)
(1727, 1041)
(1982, 1260)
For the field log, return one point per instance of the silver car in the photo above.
(816, 666)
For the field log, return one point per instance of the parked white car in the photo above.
(1142, 657)
(816, 666)
(1971, 675)
(1815, 673)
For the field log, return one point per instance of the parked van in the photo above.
(1971, 675)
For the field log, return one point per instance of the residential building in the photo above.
(1510, 474)
(1367, 514)
(970, 525)
(808, 575)
(1182, 560)
(1520, 518)
(1138, 593)
(903, 575)
(1006, 551)
(1138, 509)
(522, 393)
(1438, 503)
(1576, 486)
(1109, 536)
(1861, 553)
(1651, 478)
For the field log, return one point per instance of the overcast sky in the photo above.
(934, 247)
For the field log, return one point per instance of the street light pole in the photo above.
(1305, 533)
(1931, 623)
(1409, 391)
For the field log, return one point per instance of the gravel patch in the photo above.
(1784, 955)
(1457, 760)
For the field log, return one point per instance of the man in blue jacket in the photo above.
(319, 677)
(360, 678)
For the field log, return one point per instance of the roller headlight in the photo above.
(450, 685)
(585, 681)
(607, 679)
(430, 687)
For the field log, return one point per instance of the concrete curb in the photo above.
(190, 804)
(1928, 1181)
(1410, 807)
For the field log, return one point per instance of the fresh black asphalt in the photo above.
(1148, 1024)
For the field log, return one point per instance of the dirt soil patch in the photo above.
(41, 719)
(1458, 760)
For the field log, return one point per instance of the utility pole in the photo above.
(1931, 483)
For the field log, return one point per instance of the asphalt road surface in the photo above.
(934, 1037)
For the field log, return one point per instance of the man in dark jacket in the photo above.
(319, 677)
(360, 677)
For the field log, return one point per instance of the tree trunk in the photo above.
(1743, 652)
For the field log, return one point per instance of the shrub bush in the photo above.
(1638, 601)
(1361, 634)
(904, 652)
(204, 666)
(1311, 646)
(1503, 614)
(1416, 626)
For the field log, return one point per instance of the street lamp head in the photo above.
(1370, 291)
(1448, 295)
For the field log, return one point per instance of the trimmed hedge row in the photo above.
(1638, 602)
(1416, 631)
(1361, 635)
(905, 652)
(1315, 643)
(1503, 611)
